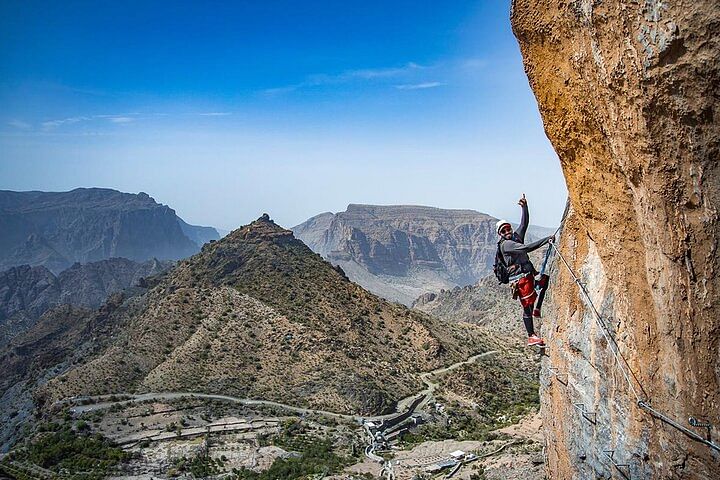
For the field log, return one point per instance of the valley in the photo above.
(251, 356)
(180, 433)
(387, 339)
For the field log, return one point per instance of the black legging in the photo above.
(528, 311)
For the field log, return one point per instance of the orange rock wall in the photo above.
(628, 92)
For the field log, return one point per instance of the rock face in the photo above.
(401, 252)
(257, 314)
(28, 292)
(198, 234)
(628, 93)
(57, 229)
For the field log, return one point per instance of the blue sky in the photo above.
(225, 110)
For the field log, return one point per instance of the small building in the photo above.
(458, 455)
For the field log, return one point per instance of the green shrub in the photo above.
(64, 448)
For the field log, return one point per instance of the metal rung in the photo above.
(622, 468)
(561, 377)
(589, 416)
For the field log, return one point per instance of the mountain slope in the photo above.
(57, 229)
(486, 303)
(258, 314)
(28, 292)
(401, 252)
(60, 339)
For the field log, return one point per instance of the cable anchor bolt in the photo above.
(701, 424)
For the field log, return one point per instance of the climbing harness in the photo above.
(625, 369)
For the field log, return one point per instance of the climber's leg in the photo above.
(527, 294)
(528, 320)
(543, 283)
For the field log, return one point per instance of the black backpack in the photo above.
(502, 272)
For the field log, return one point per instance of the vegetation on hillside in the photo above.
(258, 314)
(309, 455)
(482, 397)
(70, 449)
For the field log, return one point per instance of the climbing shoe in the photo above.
(536, 313)
(534, 340)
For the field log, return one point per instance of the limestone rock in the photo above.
(628, 93)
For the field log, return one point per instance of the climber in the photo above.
(514, 253)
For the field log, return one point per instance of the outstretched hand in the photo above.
(523, 201)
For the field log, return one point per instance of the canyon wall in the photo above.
(403, 251)
(57, 229)
(628, 95)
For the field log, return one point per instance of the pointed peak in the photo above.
(264, 221)
(263, 227)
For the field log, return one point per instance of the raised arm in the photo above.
(524, 219)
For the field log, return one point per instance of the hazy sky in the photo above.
(225, 110)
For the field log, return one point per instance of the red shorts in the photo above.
(526, 290)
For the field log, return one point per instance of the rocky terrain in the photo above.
(628, 95)
(27, 292)
(485, 303)
(258, 314)
(402, 252)
(58, 229)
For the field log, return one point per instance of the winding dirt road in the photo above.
(402, 405)
(431, 385)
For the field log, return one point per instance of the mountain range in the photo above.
(256, 314)
(401, 252)
(58, 229)
(26, 292)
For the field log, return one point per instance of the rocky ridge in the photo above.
(258, 314)
(401, 252)
(57, 229)
(628, 95)
(26, 293)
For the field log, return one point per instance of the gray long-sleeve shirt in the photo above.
(515, 251)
